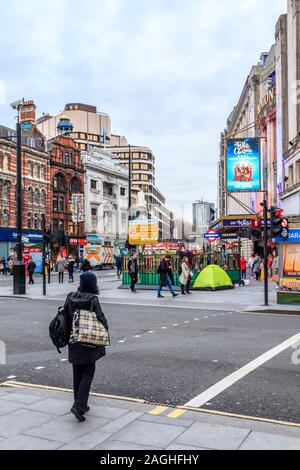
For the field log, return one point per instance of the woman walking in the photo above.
(71, 267)
(185, 276)
(82, 356)
(61, 266)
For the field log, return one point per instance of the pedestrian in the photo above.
(86, 265)
(31, 268)
(119, 265)
(270, 265)
(11, 266)
(243, 265)
(165, 271)
(185, 276)
(61, 266)
(71, 267)
(2, 265)
(250, 264)
(83, 356)
(256, 268)
(133, 269)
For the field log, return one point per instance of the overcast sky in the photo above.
(168, 72)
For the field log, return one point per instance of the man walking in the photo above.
(133, 269)
(256, 267)
(31, 268)
(119, 265)
(165, 272)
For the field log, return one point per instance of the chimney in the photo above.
(27, 113)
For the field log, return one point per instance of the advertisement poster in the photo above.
(143, 232)
(291, 260)
(243, 165)
(36, 255)
(290, 285)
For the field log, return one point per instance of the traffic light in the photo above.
(256, 229)
(279, 224)
(47, 235)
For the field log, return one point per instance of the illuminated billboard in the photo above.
(243, 172)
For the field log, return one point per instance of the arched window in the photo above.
(5, 162)
(75, 185)
(5, 190)
(29, 220)
(43, 197)
(59, 182)
(36, 196)
(36, 221)
(30, 195)
(5, 218)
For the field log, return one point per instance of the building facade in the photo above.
(106, 199)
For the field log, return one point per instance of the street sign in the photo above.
(212, 236)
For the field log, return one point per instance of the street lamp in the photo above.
(19, 267)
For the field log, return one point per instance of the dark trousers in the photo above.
(71, 275)
(119, 272)
(188, 286)
(31, 281)
(83, 375)
(133, 281)
(244, 274)
(61, 277)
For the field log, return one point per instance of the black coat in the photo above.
(86, 266)
(81, 353)
(163, 271)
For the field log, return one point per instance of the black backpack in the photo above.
(58, 330)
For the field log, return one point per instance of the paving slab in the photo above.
(88, 441)
(120, 423)
(107, 412)
(21, 442)
(264, 441)
(53, 406)
(165, 420)
(213, 436)
(21, 398)
(21, 420)
(7, 407)
(65, 429)
(270, 428)
(149, 434)
(183, 447)
(110, 444)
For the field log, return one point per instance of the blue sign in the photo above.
(238, 223)
(29, 236)
(293, 236)
(243, 165)
(26, 126)
(212, 236)
(94, 239)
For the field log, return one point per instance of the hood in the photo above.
(80, 300)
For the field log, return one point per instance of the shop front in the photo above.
(32, 239)
(289, 268)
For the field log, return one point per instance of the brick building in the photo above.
(67, 181)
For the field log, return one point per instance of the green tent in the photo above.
(213, 278)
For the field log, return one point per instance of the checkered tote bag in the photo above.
(88, 329)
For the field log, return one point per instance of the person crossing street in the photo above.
(165, 272)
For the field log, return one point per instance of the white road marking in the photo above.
(121, 341)
(39, 368)
(150, 332)
(186, 322)
(11, 377)
(63, 360)
(196, 319)
(175, 324)
(205, 318)
(227, 382)
(137, 336)
(163, 327)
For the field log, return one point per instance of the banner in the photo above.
(291, 259)
(78, 209)
(243, 171)
(143, 232)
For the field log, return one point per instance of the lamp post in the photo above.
(19, 267)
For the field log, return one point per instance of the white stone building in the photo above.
(106, 198)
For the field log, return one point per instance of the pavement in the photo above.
(38, 418)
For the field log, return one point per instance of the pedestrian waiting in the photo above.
(133, 269)
(185, 277)
(71, 267)
(61, 263)
(31, 267)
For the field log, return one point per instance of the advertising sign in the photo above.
(77, 208)
(243, 165)
(36, 255)
(291, 259)
(293, 236)
(290, 285)
(143, 232)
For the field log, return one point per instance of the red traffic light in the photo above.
(284, 223)
(278, 212)
(256, 223)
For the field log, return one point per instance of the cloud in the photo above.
(168, 73)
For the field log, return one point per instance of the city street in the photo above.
(165, 353)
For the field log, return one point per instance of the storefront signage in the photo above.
(79, 242)
(238, 223)
(267, 100)
(28, 236)
(94, 239)
(293, 236)
(243, 171)
(290, 285)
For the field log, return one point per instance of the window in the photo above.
(43, 173)
(30, 169)
(82, 136)
(5, 191)
(94, 218)
(30, 196)
(291, 176)
(93, 184)
(82, 146)
(298, 171)
(136, 166)
(144, 177)
(74, 185)
(36, 171)
(43, 197)
(55, 204)
(72, 228)
(107, 222)
(29, 220)
(136, 177)
(68, 158)
(5, 218)
(61, 204)
(5, 163)
(135, 155)
(144, 166)
(36, 196)
(124, 222)
(123, 191)
(36, 221)
(59, 182)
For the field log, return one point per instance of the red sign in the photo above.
(212, 236)
(79, 242)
